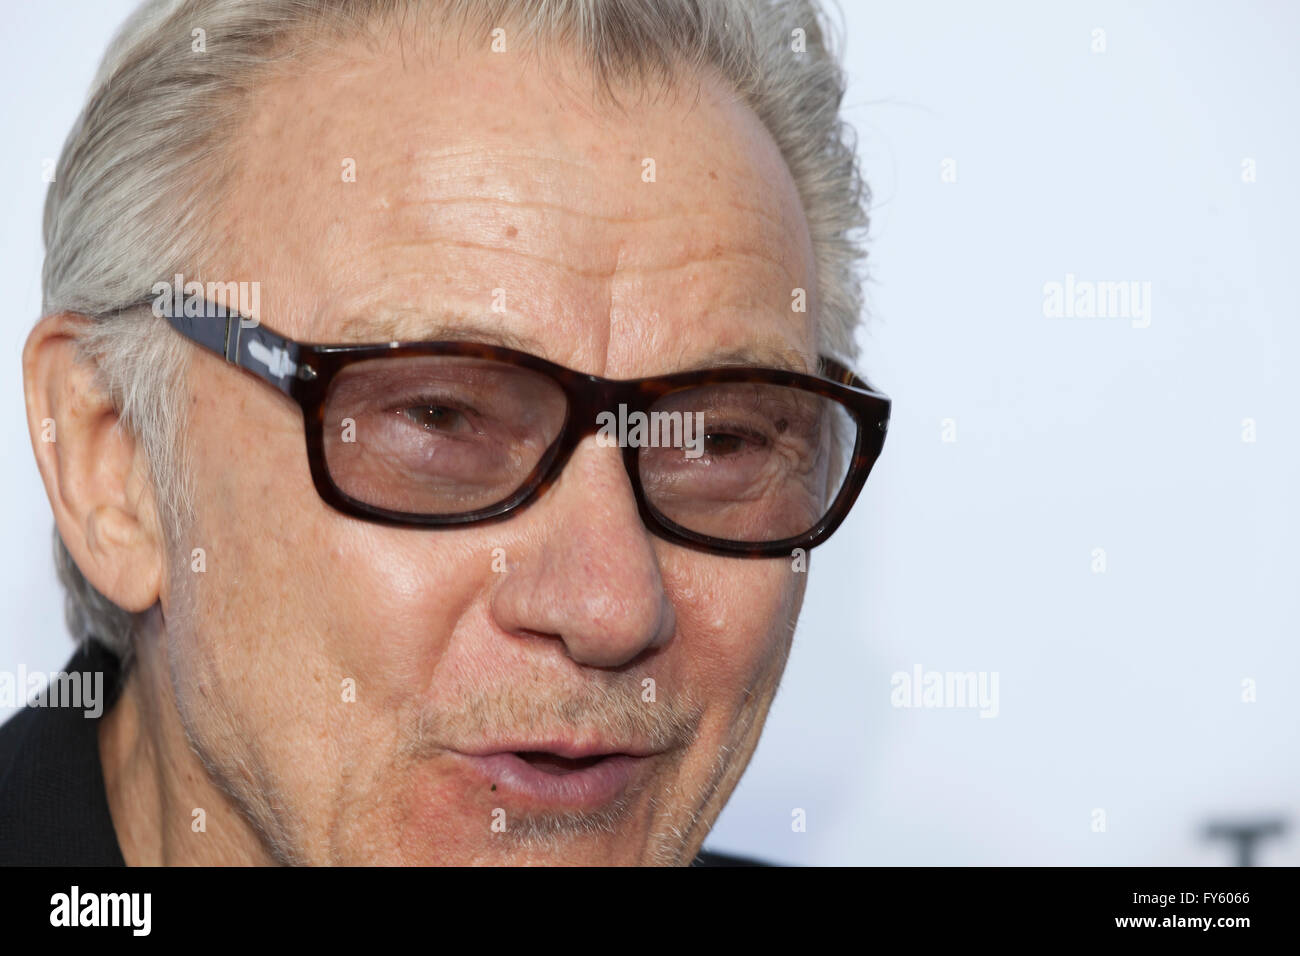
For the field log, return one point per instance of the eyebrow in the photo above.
(454, 326)
(786, 359)
(440, 327)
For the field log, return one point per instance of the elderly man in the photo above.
(437, 403)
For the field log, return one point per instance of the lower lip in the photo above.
(585, 789)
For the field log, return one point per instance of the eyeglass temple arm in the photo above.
(244, 342)
(839, 372)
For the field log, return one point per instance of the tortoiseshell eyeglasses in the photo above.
(740, 461)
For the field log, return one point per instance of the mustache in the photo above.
(617, 711)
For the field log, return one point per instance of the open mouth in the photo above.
(555, 764)
(543, 778)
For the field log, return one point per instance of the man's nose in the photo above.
(588, 576)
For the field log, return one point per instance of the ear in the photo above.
(95, 474)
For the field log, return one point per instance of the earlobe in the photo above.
(94, 471)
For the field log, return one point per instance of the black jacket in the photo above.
(53, 805)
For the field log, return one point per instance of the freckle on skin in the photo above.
(511, 232)
(712, 174)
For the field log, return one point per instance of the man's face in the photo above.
(388, 695)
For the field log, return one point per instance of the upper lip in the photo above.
(570, 749)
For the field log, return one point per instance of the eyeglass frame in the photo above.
(304, 371)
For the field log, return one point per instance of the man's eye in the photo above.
(729, 443)
(437, 418)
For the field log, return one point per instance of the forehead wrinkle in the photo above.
(448, 166)
(420, 244)
(620, 268)
(550, 208)
(779, 224)
(718, 244)
(412, 197)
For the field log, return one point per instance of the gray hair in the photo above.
(124, 210)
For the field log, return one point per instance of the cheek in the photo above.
(286, 575)
(308, 633)
(317, 594)
(295, 598)
(398, 596)
(734, 621)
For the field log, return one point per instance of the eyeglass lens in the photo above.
(449, 435)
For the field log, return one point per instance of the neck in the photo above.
(156, 784)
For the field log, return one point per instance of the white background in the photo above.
(1119, 691)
